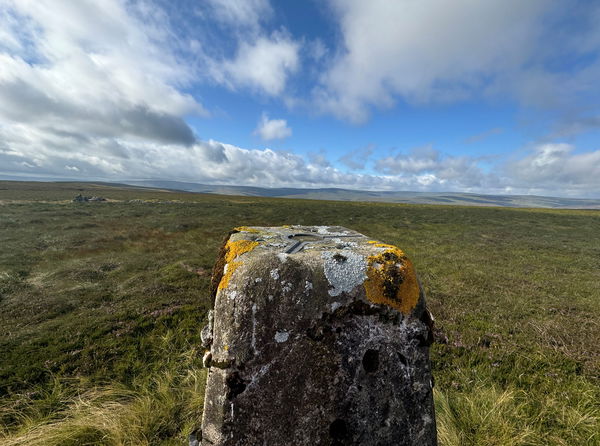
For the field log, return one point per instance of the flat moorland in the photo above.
(101, 306)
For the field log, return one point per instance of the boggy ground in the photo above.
(101, 306)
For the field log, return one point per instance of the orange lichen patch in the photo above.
(391, 279)
(246, 229)
(234, 249)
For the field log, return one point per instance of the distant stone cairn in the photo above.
(82, 199)
(319, 336)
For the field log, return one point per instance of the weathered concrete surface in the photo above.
(319, 336)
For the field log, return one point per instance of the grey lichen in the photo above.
(344, 271)
(281, 336)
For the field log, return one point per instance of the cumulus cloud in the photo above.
(422, 51)
(85, 70)
(270, 129)
(264, 64)
(550, 169)
(245, 54)
(419, 159)
(93, 91)
(49, 155)
(427, 51)
(429, 167)
(555, 167)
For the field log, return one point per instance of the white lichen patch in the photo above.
(286, 287)
(274, 274)
(308, 286)
(344, 244)
(282, 256)
(344, 271)
(281, 336)
(258, 280)
(334, 306)
(323, 229)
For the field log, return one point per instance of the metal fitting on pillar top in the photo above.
(318, 336)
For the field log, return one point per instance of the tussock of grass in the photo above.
(488, 415)
(169, 406)
(484, 416)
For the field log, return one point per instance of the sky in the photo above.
(495, 96)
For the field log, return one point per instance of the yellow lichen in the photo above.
(234, 249)
(391, 279)
(246, 229)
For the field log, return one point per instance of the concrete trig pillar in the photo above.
(320, 336)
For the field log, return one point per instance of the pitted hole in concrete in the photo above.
(425, 340)
(236, 385)
(339, 258)
(338, 431)
(402, 359)
(370, 361)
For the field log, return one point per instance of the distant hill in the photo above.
(380, 196)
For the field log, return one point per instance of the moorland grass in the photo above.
(101, 305)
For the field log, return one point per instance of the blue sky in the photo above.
(499, 96)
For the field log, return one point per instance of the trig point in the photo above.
(319, 336)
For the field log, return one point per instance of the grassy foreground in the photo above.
(101, 305)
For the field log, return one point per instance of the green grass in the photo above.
(101, 305)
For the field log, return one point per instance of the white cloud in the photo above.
(550, 169)
(555, 167)
(242, 51)
(270, 129)
(246, 14)
(424, 51)
(109, 72)
(420, 159)
(428, 167)
(263, 64)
